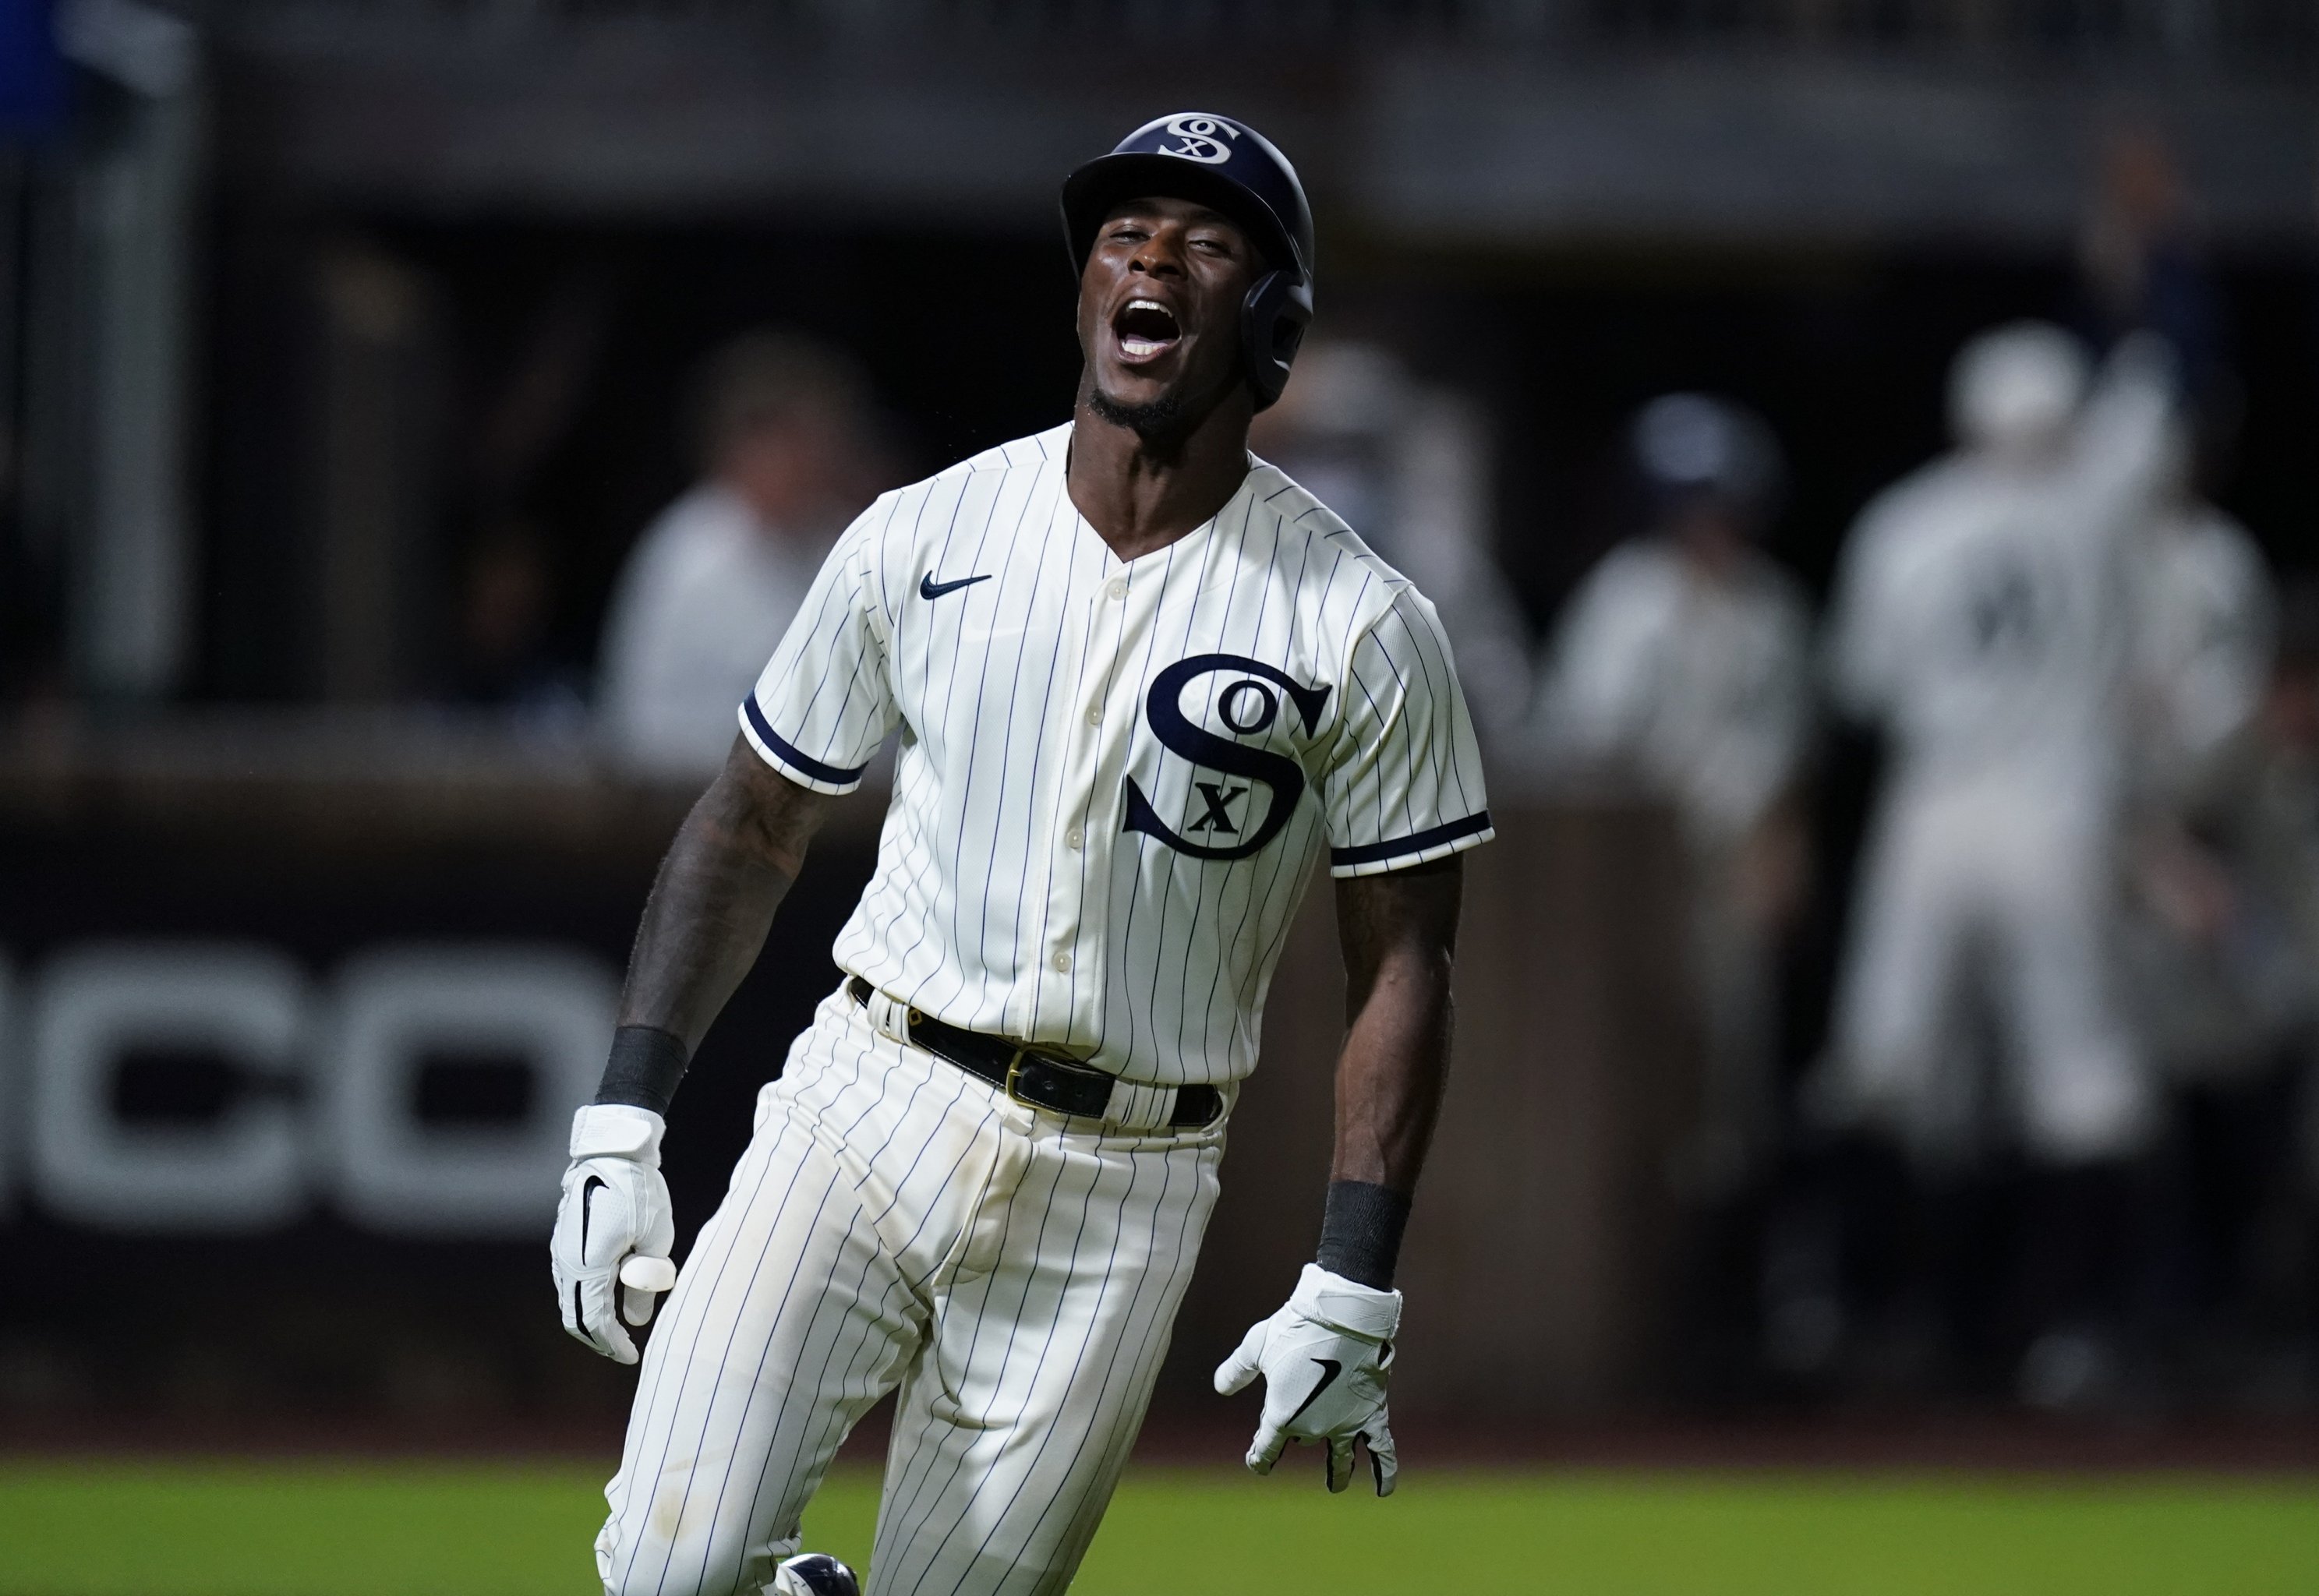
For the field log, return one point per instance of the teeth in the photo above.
(1136, 345)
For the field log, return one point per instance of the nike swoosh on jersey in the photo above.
(929, 588)
(1330, 1369)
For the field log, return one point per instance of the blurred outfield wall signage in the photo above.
(306, 1094)
(32, 70)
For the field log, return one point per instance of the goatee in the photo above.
(1159, 418)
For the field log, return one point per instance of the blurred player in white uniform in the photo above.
(1983, 618)
(1409, 463)
(1145, 684)
(2220, 972)
(2204, 621)
(2205, 618)
(1681, 669)
(717, 578)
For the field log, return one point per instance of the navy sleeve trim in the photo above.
(833, 774)
(1418, 842)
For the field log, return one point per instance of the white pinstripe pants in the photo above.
(2022, 874)
(898, 1222)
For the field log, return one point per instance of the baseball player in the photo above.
(2220, 983)
(1145, 683)
(1982, 616)
(2201, 661)
(1682, 664)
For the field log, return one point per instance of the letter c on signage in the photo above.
(98, 1005)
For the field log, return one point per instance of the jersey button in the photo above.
(1095, 715)
(1116, 588)
(1062, 962)
(1072, 838)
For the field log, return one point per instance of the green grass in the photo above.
(477, 1529)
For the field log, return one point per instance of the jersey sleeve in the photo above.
(825, 699)
(1405, 785)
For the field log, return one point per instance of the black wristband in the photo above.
(646, 1065)
(1360, 1232)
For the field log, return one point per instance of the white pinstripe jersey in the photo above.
(1115, 777)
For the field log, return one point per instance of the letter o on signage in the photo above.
(96, 1006)
(396, 1008)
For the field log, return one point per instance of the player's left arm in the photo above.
(1326, 1356)
(1399, 933)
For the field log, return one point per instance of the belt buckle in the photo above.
(1061, 1067)
(1015, 1075)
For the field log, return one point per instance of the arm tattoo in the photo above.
(713, 900)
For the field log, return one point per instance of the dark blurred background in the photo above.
(348, 349)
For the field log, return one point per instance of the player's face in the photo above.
(1160, 302)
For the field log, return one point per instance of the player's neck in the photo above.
(1142, 491)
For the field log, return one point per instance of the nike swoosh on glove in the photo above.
(1325, 1357)
(615, 1206)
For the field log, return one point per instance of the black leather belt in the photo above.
(1039, 1080)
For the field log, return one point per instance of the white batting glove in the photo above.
(1325, 1358)
(614, 1226)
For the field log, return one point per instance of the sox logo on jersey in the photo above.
(1248, 707)
(1114, 781)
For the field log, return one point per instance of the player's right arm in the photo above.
(713, 902)
(711, 905)
(2122, 452)
(808, 732)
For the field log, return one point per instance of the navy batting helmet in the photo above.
(1232, 168)
(1690, 444)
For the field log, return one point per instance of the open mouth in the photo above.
(1145, 329)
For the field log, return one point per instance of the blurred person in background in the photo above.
(1408, 463)
(2287, 789)
(2225, 945)
(1680, 670)
(2203, 626)
(2221, 985)
(1982, 619)
(783, 440)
